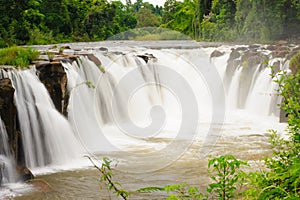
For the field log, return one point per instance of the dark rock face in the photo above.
(54, 78)
(8, 111)
(234, 54)
(93, 58)
(144, 57)
(216, 53)
(9, 115)
(24, 173)
(281, 52)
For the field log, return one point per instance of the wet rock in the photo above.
(24, 173)
(283, 117)
(276, 68)
(282, 42)
(103, 49)
(232, 65)
(216, 53)
(93, 58)
(54, 78)
(68, 52)
(248, 54)
(293, 52)
(254, 61)
(271, 47)
(65, 47)
(147, 56)
(234, 54)
(144, 57)
(254, 46)
(281, 52)
(8, 111)
(242, 49)
(117, 53)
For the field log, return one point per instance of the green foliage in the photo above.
(106, 177)
(43, 22)
(281, 180)
(101, 68)
(151, 33)
(183, 191)
(177, 191)
(226, 176)
(38, 37)
(295, 63)
(18, 56)
(50, 55)
(89, 84)
(146, 18)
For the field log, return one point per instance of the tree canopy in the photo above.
(42, 22)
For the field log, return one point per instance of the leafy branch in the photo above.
(106, 176)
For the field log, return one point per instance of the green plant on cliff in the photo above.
(18, 56)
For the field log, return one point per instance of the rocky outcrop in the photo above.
(9, 113)
(54, 78)
(216, 53)
(146, 57)
(24, 174)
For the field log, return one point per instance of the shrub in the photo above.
(18, 56)
(295, 63)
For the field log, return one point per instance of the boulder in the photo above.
(216, 53)
(234, 55)
(254, 46)
(93, 58)
(248, 54)
(281, 52)
(144, 57)
(53, 76)
(242, 49)
(24, 173)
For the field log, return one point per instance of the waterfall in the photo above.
(44, 130)
(7, 163)
(127, 101)
(251, 87)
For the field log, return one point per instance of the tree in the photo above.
(99, 21)
(124, 16)
(146, 18)
(57, 16)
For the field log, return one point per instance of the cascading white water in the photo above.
(233, 89)
(99, 100)
(262, 98)
(7, 163)
(44, 130)
(130, 98)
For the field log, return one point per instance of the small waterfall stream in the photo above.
(44, 130)
(7, 163)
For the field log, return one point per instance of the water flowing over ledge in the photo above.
(147, 101)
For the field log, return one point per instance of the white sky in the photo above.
(154, 2)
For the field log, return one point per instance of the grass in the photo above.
(18, 56)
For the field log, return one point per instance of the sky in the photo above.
(154, 2)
